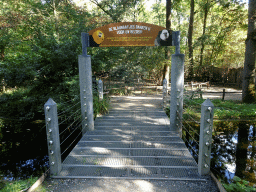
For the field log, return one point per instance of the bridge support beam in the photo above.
(177, 88)
(53, 138)
(205, 142)
(85, 81)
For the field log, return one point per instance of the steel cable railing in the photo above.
(191, 126)
(63, 136)
(69, 126)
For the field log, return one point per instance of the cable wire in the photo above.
(197, 122)
(61, 114)
(191, 135)
(70, 116)
(70, 125)
(74, 99)
(191, 127)
(72, 141)
(191, 147)
(71, 133)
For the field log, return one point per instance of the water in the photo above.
(24, 151)
(233, 150)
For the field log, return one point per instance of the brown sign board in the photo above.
(130, 34)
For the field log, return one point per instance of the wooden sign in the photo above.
(130, 34)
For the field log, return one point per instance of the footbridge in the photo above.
(133, 141)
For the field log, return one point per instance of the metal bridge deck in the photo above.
(133, 141)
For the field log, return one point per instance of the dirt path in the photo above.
(216, 92)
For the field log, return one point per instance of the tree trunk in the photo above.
(166, 69)
(56, 16)
(249, 62)
(206, 11)
(2, 54)
(190, 38)
(241, 151)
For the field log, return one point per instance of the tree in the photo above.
(190, 38)
(166, 69)
(206, 6)
(249, 62)
(115, 9)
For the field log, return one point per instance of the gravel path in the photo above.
(216, 92)
(114, 185)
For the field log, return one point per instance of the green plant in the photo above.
(100, 107)
(19, 185)
(239, 185)
(222, 109)
(119, 91)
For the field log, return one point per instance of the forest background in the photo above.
(40, 41)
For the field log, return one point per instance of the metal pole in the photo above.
(165, 93)
(205, 141)
(82, 83)
(53, 139)
(177, 88)
(100, 87)
(85, 80)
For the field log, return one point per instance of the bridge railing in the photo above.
(63, 131)
(196, 131)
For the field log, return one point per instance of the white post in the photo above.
(205, 141)
(177, 88)
(85, 80)
(165, 93)
(100, 87)
(53, 138)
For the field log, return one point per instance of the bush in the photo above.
(100, 107)
(239, 185)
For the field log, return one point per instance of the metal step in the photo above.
(130, 172)
(129, 160)
(132, 132)
(131, 144)
(183, 152)
(125, 137)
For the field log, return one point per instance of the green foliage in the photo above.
(223, 109)
(239, 185)
(100, 107)
(17, 185)
(119, 92)
(17, 104)
(233, 110)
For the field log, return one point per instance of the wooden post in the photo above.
(205, 141)
(53, 138)
(223, 95)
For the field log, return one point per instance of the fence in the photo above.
(201, 142)
(65, 129)
(61, 137)
(221, 76)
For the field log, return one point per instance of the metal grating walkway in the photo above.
(133, 141)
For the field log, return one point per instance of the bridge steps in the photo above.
(131, 144)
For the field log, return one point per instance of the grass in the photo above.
(223, 110)
(238, 185)
(17, 185)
